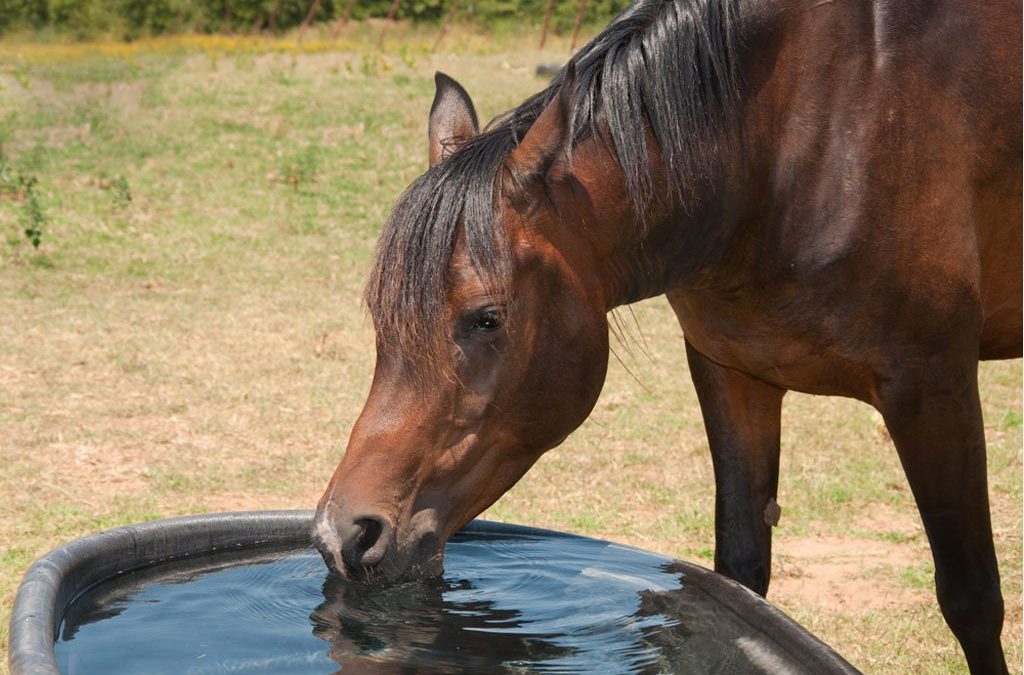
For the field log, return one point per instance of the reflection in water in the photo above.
(411, 627)
(705, 636)
(507, 603)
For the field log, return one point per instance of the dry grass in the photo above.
(191, 338)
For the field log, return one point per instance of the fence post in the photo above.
(343, 20)
(224, 21)
(444, 26)
(579, 22)
(387, 22)
(272, 23)
(308, 20)
(547, 23)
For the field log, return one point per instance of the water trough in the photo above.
(243, 592)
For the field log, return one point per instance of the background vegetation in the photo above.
(185, 228)
(130, 19)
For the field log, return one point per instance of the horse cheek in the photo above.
(574, 368)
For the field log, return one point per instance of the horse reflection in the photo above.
(419, 626)
(692, 626)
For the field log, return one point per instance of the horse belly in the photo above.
(999, 241)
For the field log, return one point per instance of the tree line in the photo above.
(129, 19)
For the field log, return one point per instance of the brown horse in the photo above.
(828, 193)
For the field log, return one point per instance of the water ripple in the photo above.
(508, 603)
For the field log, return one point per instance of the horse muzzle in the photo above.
(366, 546)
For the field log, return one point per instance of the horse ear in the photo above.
(452, 118)
(550, 135)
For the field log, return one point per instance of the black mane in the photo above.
(664, 65)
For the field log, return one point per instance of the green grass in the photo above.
(921, 576)
(189, 337)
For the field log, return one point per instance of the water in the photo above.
(507, 603)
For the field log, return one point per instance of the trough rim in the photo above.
(53, 581)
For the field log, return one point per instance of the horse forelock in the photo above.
(663, 66)
(408, 287)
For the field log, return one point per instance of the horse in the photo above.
(828, 194)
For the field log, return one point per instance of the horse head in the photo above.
(491, 339)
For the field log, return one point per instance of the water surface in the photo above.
(506, 603)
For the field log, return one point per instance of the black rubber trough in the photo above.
(772, 641)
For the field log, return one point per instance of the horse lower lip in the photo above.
(426, 563)
(333, 562)
(428, 545)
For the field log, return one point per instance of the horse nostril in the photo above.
(366, 542)
(371, 533)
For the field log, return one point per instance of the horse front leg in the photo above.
(742, 416)
(935, 420)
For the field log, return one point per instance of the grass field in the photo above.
(189, 335)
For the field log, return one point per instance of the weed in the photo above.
(370, 64)
(837, 494)
(20, 188)
(21, 77)
(300, 167)
(405, 54)
(32, 217)
(121, 191)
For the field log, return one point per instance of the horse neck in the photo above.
(696, 228)
(637, 254)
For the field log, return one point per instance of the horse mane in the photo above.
(667, 66)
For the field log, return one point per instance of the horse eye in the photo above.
(487, 321)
